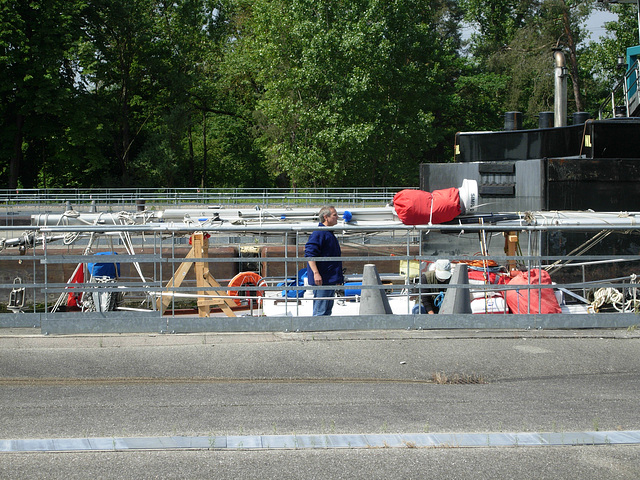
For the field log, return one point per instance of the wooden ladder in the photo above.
(205, 282)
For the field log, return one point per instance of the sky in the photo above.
(595, 23)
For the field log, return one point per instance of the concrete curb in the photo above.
(329, 441)
(31, 338)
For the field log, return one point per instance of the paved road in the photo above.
(551, 463)
(343, 383)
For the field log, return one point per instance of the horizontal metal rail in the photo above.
(45, 279)
(190, 196)
(180, 229)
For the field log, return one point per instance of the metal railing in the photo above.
(625, 95)
(115, 197)
(46, 270)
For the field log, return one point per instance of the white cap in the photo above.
(468, 193)
(443, 269)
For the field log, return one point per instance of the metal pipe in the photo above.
(275, 229)
(560, 98)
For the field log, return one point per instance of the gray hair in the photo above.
(325, 212)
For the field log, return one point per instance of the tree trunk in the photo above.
(573, 61)
(191, 158)
(16, 158)
(125, 140)
(203, 180)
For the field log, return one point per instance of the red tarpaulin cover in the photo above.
(78, 277)
(517, 300)
(414, 206)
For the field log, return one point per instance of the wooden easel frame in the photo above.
(204, 280)
(510, 248)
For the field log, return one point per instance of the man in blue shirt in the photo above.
(323, 243)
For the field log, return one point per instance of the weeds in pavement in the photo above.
(442, 378)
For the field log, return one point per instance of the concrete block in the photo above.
(457, 300)
(373, 301)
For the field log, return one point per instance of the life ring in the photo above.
(251, 279)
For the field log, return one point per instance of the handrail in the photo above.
(630, 87)
(266, 196)
(46, 269)
(631, 83)
(611, 100)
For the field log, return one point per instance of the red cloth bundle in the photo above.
(519, 300)
(414, 207)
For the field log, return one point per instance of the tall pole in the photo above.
(560, 98)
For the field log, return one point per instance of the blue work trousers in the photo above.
(323, 307)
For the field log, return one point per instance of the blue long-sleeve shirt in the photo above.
(323, 243)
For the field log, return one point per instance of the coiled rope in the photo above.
(616, 298)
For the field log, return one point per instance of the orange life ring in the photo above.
(251, 279)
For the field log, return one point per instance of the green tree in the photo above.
(600, 67)
(478, 103)
(119, 70)
(351, 92)
(521, 51)
(222, 105)
(495, 23)
(37, 83)
(198, 134)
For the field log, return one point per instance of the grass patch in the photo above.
(441, 378)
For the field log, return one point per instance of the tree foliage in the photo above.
(352, 91)
(257, 93)
(516, 39)
(599, 66)
(36, 84)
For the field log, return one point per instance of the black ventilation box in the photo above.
(591, 166)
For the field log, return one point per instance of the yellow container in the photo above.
(413, 269)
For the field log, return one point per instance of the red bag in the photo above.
(518, 300)
(414, 206)
(480, 276)
(78, 277)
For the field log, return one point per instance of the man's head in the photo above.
(443, 270)
(328, 216)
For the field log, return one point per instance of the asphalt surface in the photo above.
(343, 383)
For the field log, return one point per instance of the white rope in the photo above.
(431, 213)
(607, 295)
(616, 298)
(71, 237)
